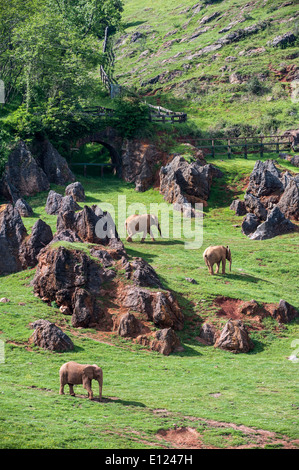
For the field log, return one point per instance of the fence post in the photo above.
(277, 145)
(229, 151)
(213, 149)
(85, 171)
(262, 148)
(245, 149)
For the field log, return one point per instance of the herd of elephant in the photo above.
(212, 255)
(72, 373)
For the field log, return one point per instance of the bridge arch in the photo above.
(111, 140)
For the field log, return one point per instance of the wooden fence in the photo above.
(157, 113)
(242, 145)
(101, 166)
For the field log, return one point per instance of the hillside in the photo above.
(214, 60)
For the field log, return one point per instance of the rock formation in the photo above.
(49, 336)
(57, 203)
(234, 337)
(271, 199)
(75, 190)
(184, 183)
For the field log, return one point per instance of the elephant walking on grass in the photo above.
(141, 223)
(72, 373)
(215, 255)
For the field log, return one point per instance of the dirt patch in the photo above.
(182, 438)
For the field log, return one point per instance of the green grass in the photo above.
(203, 89)
(256, 389)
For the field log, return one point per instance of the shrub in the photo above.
(130, 115)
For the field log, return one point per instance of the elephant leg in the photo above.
(87, 386)
(217, 268)
(211, 269)
(143, 236)
(72, 393)
(152, 235)
(129, 238)
(223, 266)
(61, 390)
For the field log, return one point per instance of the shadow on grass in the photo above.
(245, 278)
(121, 402)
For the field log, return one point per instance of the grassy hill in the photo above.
(202, 396)
(213, 60)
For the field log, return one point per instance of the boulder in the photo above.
(285, 312)
(41, 236)
(49, 336)
(53, 164)
(160, 307)
(75, 190)
(255, 206)
(234, 337)
(293, 135)
(182, 182)
(22, 175)
(144, 274)
(87, 312)
(250, 224)
(264, 179)
(295, 160)
(12, 235)
(289, 201)
(57, 203)
(24, 209)
(276, 224)
(129, 325)
(238, 206)
(91, 225)
(207, 333)
(283, 40)
(164, 341)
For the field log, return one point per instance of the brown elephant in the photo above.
(72, 373)
(215, 255)
(141, 223)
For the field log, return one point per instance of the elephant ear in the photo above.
(88, 371)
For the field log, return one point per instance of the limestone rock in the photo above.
(57, 203)
(53, 164)
(234, 337)
(129, 325)
(250, 224)
(22, 175)
(164, 341)
(24, 209)
(264, 179)
(289, 201)
(255, 206)
(285, 312)
(238, 206)
(12, 235)
(208, 333)
(276, 224)
(75, 190)
(49, 336)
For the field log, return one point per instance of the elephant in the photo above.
(216, 254)
(141, 223)
(72, 373)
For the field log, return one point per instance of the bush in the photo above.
(255, 87)
(130, 115)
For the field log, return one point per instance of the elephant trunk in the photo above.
(160, 230)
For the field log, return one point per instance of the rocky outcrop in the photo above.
(208, 334)
(271, 199)
(275, 224)
(12, 236)
(187, 183)
(234, 337)
(92, 290)
(23, 208)
(41, 236)
(284, 40)
(238, 206)
(164, 341)
(285, 312)
(49, 336)
(75, 190)
(53, 164)
(139, 163)
(22, 175)
(57, 203)
(91, 225)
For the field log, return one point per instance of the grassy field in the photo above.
(226, 399)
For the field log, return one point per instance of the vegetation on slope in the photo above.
(178, 56)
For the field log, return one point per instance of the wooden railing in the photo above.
(242, 145)
(158, 113)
